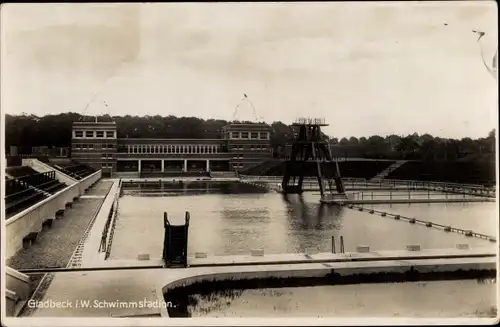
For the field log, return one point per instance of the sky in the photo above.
(366, 67)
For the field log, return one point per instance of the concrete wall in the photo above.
(17, 282)
(310, 271)
(17, 291)
(11, 300)
(31, 219)
(88, 181)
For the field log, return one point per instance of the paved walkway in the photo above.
(139, 292)
(55, 246)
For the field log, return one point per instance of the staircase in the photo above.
(223, 174)
(383, 174)
(67, 172)
(261, 168)
(47, 194)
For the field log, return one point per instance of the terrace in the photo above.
(74, 169)
(453, 172)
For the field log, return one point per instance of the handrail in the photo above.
(446, 228)
(386, 182)
(107, 232)
(279, 178)
(25, 185)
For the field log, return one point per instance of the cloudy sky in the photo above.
(368, 68)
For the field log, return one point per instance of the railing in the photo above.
(394, 182)
(39, 179)
(31, 180)
(428, 183)
(108, 231)
(12, 187)
(312, 184)
(307, 178)
(411, 220)
(403, 195)
(19, 191)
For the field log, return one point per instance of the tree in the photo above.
(344, 141)
(408, 146)
(26, 131)
(353, 141)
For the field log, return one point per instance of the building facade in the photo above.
(240, 147)
(95, 144)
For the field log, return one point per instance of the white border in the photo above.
(215, 321)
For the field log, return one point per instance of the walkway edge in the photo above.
(90, 253)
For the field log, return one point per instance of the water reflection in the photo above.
(233, 218)
(312, 225)
(446, 299)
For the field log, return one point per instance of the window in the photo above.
(110, 134)
(110, 146)
(254, 135)
(90, 146)
(263, 136)
(78, 133)
(244, 135)
(89, 133)
(235, 135)
(99, 134)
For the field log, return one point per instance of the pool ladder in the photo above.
(342, 250)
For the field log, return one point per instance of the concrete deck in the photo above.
(55, 246)
(298, 258)
(92, 244)
(121, 292)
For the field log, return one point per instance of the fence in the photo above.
(311, 184)
(108, 231)
(405, 195)
(411, 220)
(385, 182)
(280, 178)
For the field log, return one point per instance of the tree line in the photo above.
(27, 131)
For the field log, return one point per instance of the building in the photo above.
(95, 144)
(52, 152)
(240, 146)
